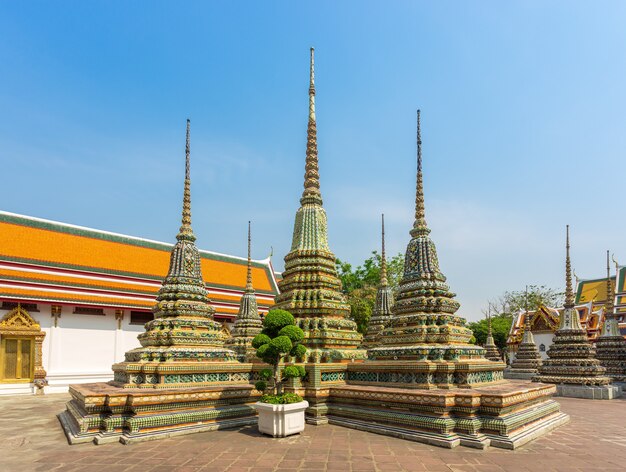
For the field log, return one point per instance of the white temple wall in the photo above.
(80, 349)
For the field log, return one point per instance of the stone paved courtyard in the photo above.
(32, 439)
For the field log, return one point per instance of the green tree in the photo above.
(500, 327)
(513, 302)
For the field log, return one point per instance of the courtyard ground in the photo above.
(31, 439)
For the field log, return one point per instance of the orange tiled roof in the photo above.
(49, 261)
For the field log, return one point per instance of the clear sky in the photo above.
(523, 123)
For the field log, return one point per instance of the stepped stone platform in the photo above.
(102, 413)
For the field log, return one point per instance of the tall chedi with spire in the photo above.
(527, 359)
(384, 301)
(310, 288)
(491, 350)
(611, 345)
(572, 363)
(248, 322)
(183, 329)
(425, 329)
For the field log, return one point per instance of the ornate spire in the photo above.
(249, 287)
(489, 320)
(383, 260)
(610, 294)
(311, 193)
(569, 293)
(419, 227)
(186, 233)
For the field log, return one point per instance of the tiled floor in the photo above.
(31, 439)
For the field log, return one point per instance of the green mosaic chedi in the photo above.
(183, 328)
(248, 322)
(491, 350)
(571, 357)
(611, 345)
(310, 288)
(424, 326)
(384, 301)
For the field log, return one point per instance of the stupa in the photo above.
(527, 359)
(381, 314)
(424, 381)
(310, 288)
(182, 379)
(248, 322)
(491, 350)
(572, 364)
(425, 328)
(611, 345)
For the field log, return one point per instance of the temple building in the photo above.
(89, 293)
(590, 305)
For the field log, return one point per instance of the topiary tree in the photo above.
(280, 338)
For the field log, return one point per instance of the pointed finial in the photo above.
(311, 192)
(527, 320)
(185, 231)
(489, 318)
(569, 293)
(609, 289)
(249, 286)
(312, 86)
(419, 227)
(383, 259)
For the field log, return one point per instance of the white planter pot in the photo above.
(281, 420)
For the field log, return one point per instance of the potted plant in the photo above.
(280, 414)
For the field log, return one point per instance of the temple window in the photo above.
(140, 317)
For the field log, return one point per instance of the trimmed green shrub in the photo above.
(259, 340)
(261, 385)
(280, 338)
(292, 332)
(283, 399)
(275, 320)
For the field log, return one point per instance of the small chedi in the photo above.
(248, 322)
(381, 314)
(572, 363)
(528, 359)
(611, 345)
(182, 379)
(310, 288)
(491, 350)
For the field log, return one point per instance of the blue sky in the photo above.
(523, 125)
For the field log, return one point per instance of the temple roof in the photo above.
(547, 319)
(48, 261)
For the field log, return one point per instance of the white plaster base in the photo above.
(281, 420)
(60, 382)
(18, 389)
(590, 392)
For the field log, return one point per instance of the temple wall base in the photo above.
(511, 374)
(590, 392)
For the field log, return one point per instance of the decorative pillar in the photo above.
(118, 353)
(55, 313)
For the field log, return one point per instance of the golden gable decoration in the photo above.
(18, 324)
